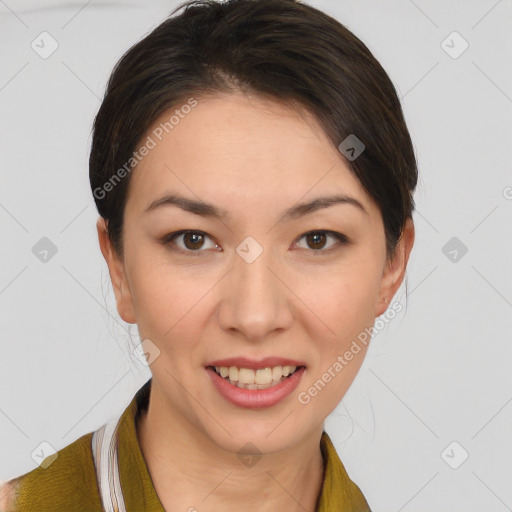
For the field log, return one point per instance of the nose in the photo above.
(255, 300)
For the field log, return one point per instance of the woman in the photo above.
(254, 177)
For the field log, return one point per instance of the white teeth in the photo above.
(255, 379)
(245, 376)
(263, 376)
(277, 373)
(233, 373)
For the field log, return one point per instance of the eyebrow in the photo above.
(208, 210)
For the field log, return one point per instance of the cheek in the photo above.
(346, 300)
(158, 296)
(152, 296)
(345, 303)
(169, 304)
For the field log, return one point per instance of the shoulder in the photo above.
(64, 481)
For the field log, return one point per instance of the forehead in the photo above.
(231, 148)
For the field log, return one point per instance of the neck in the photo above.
(191, 473)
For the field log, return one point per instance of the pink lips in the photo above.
(255, 398)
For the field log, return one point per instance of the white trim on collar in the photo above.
(104, 451)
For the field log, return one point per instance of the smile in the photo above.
(255, 389)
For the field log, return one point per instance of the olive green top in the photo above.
(69, 483)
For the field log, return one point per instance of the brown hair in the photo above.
(282, 49)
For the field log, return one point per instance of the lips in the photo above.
(255, 398)
(274, 379)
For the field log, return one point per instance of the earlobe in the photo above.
(395, 269)
(117, 274)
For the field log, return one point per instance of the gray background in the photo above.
(439, 373)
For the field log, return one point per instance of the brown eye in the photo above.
(316, 240)
(191, 241)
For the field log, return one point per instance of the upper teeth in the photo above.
(250, 376)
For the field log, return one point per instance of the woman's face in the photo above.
(252, 282)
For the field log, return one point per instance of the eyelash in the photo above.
(169, 239)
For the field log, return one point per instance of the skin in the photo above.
(255, 158)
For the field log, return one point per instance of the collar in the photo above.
(338, 492)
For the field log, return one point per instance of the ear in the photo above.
(394, 271)
(117, 274)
